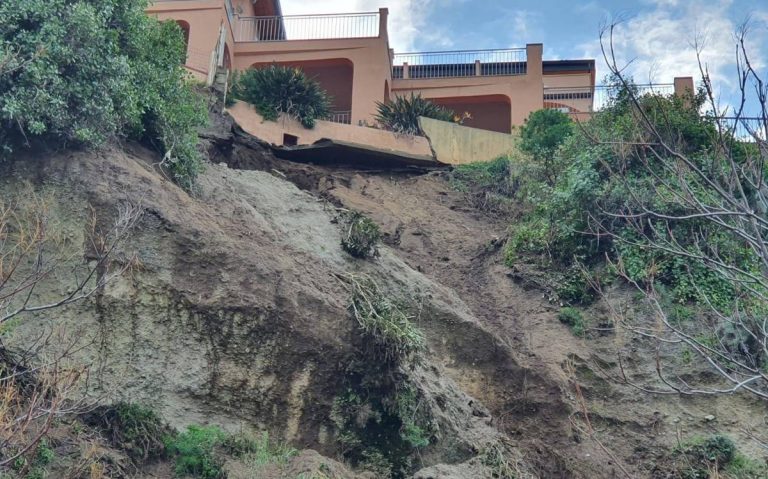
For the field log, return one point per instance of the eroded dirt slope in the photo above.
(433, 228)
(236, 315)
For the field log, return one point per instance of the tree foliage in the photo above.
(577, 193)
(543, 133)
(81, 72)
(672, 202)
(280, 89)
(402, 114)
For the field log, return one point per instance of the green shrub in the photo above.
(401, 115)
(416, 430)
(490, 186)
(579, 185)
(45, 455)
(196, 452)
(742, 467)
(542, 134)
(361, 236)
(139, 430)
(95, 70)
(280, 89)
(131, 427)
(715, 456)
(259, 451)
(572, 318)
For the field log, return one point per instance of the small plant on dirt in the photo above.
(196, 452)
(279, 89)
(258, 451)
(45, 454)
(416, 429)
(741, 467)
(401, 115)
(500, 463)
(361, 236)
(375, 462)
(385, 321)
(489, 186)
(715, 456)
(572, 318)
(137, 430)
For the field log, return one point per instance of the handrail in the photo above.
(313, 15)
(341, 116)
(307, 27)
(599, 96)
(460, 63)
(487, 50)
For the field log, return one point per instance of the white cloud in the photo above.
(407, 18)
(659, 45)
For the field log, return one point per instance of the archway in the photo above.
(227, 58)
(487, 112)
(185, 29)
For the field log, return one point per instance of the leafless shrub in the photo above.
(729, 198)
(39, 383)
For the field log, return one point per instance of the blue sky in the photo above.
(657, 35)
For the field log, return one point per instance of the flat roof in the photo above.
(561, 66)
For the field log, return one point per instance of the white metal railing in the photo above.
(749, 129)
(590, 99)
(307, 27)
(460, 63)
(344, 117)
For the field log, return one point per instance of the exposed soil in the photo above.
(236, 317)
(433, 228)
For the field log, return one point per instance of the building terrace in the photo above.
(350, 56)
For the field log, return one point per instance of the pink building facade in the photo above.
(350, 56)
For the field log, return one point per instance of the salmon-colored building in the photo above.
(350, 56)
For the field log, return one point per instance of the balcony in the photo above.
(459, 64)
(307, 27)
(343, 117)
(592, 99)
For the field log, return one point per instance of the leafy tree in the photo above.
(279, 89)
(83, 72)
(541, 135)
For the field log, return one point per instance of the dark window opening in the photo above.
(290, 140)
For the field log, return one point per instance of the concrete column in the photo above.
(478, 68)
(532, 98)
(535, 67)
(383, 28)
(684, 89)
(684, 86)
(406, 71)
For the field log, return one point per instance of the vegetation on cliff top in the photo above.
(657, 194)
(78, 73)
(281, 89)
